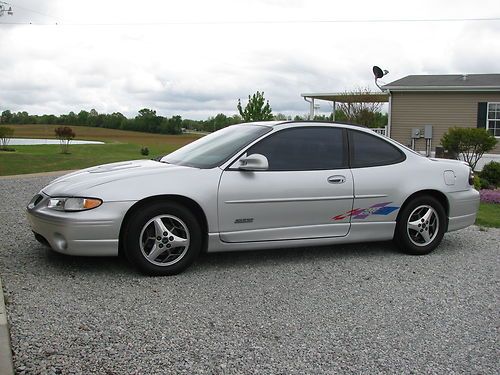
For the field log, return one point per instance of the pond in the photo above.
(36, 141)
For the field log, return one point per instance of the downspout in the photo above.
(311, 107)
(389, 115)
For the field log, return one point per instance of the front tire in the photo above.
(421, 226)
(162, 239)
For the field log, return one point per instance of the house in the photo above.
(423, 107)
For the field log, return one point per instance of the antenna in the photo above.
(5, 9)
(379, 73)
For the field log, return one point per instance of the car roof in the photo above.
(307, 122)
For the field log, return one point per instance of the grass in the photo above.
(120, 145)
(488, 215)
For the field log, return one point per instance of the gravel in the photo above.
(361, 308)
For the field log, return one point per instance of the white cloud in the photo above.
(221, 50)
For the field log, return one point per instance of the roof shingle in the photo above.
(446, 81)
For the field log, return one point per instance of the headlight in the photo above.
(73, 204)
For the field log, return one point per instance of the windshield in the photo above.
(215, 148)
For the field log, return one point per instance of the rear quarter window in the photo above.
(367, 150)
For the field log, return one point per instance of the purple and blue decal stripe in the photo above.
(363, 213)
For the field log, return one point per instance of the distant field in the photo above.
(120, 145)
(105, 135)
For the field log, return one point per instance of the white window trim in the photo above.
(493, 119)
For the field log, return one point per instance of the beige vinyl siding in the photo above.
(442, 110)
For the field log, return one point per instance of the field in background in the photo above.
(120, 145)
(105, 135)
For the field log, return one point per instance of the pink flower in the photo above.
(490, 196)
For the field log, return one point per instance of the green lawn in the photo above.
(489, 215)
(120, 145)
(43, 158)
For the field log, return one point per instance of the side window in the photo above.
(368, 150)
(305, 148)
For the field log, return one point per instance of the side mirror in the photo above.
(254, 162)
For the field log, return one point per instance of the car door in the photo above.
(306, 184)
(377, 169)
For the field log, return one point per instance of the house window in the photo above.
(493, 120)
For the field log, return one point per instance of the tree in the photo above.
(468, 143)
(6, 134)
(82, 117)
(114, 120)
(220, 121)
(282, 117)
(148, 121)
(172, 125)
(257, 108)
(65, 134)
(6, 117)
(362, 113)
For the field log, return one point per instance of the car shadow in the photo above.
(66, 264)
(233, 260)
(239, 259)
(380, 249)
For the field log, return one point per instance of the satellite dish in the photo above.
(377, 72)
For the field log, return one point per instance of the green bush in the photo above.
(484, 183)
(481, 183)
(491, 173)
(477, 182)
(145, 151)
(469, 143)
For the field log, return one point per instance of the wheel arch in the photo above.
(189, 203)
(438, 195)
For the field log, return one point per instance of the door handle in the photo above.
(337, 179)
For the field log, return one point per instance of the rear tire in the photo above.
(421, 226)
(162, 239)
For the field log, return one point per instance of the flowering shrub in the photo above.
(490, 196)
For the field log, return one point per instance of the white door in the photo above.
(306, 185)
(377, 169)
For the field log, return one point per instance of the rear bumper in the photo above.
(463, 209)
(88, 233)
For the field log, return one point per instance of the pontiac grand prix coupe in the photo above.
(259, 185)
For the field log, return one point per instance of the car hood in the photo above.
(77, 182)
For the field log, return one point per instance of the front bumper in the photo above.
(89, 233)
(463, 209)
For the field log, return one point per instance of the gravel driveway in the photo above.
(346, 309)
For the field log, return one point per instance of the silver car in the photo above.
(253, 186)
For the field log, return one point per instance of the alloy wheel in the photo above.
(423, 225)
(164, 240)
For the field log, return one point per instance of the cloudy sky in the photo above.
(196, 58)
